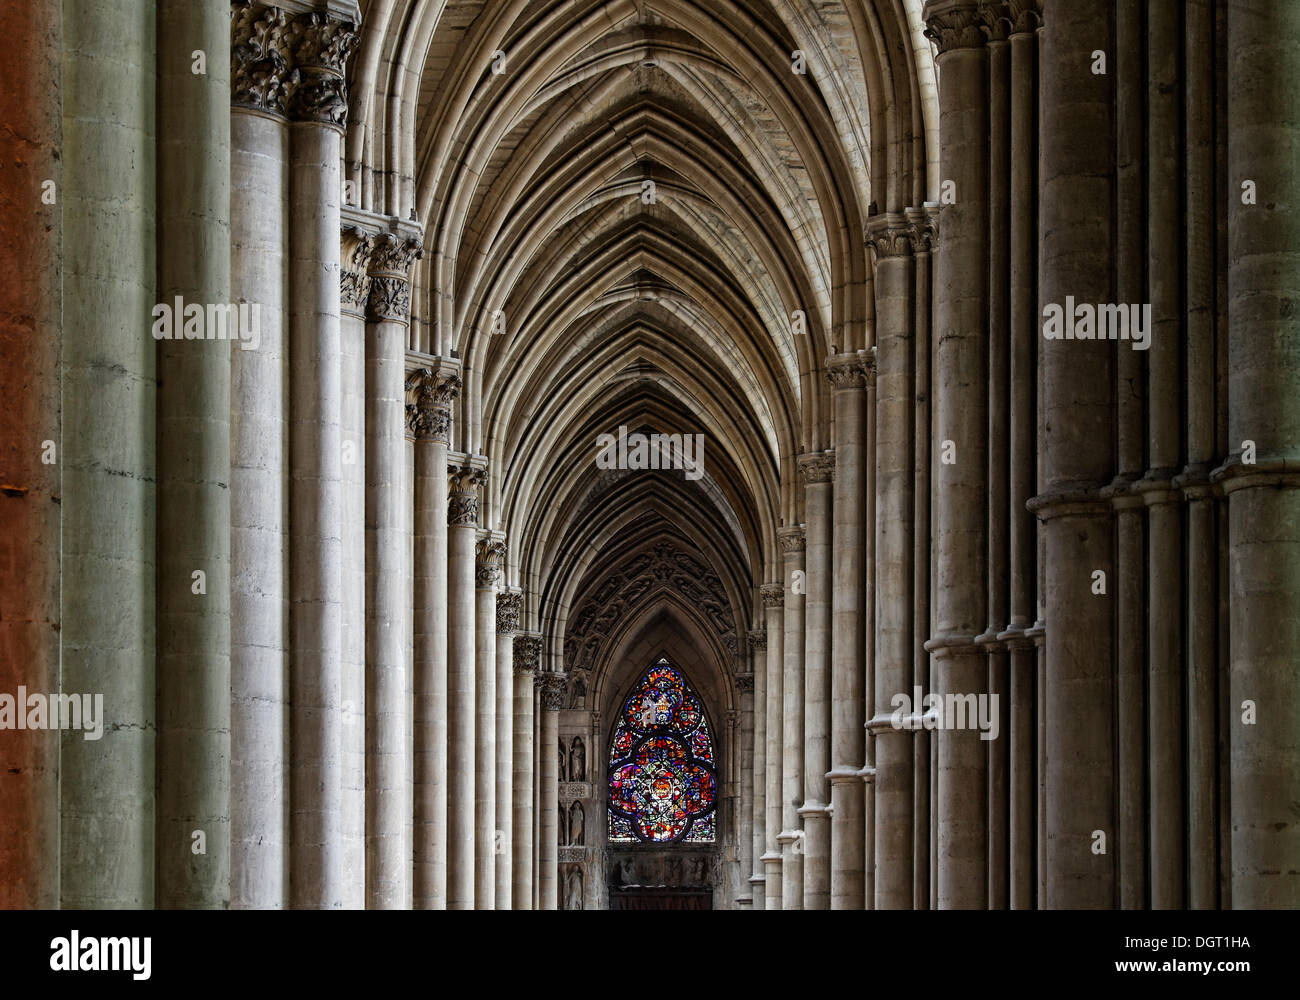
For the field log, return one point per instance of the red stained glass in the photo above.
(661, 782)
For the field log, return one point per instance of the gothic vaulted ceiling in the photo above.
(641, 213)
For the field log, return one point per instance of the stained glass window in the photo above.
(662, 786)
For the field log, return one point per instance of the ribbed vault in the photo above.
(637, 213)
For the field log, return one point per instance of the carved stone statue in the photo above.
(563, 770)
(626, 872)
(576, 824)
(578, 760)
(579, 693)
(573, 890)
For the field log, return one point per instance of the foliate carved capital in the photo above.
(553, 691)
(847, 371)
(508, 607)
(1026, 15)
(757, 639)
(259, 63)
(890, 236)
(394, 255)
(923, 227)
(773, 595)
(389, 298)
(818, 467)
(354, 281)
(319, 97)
(429, 417)
(489, 557)
(462, 501)
(527, 652)
(995, 20)
(319, 40)
(791, 538)
(954, 24)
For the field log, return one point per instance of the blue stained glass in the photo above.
(662, 787)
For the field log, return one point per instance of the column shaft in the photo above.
(817, 470)
(485, 722)
(847, 374)
(791, 836)
(507, 624)
(462, 517)
(431, 416)
(1077, 453)
(30, 308)
(1263, 500)
(527, 649)
(893, 592)
(548, 874)
(758, 800)
(961, 488)
(773, 595)
(192, 849)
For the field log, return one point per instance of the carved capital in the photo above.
(553, 691)
(429, 417)
(508, 606)
(954, 24)
(995, 20)
(847, 371)
(773, 595)
(818, 467)
(889, 236)
(791, 538)
(259, 62)
(319, 40)
(757, 639)
(389, 298)
(490, 556)
(462, 502)
(528, 652)
(1026, 15)
(354, 281)
(394, 255)
(744, 683)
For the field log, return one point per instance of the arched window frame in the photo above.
(696, 749)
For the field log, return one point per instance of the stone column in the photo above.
(997, 602)
(961, 435)
(1077, 399)
(507, 625)
(791, 836)
(358, 245)
(430, 420)
(847, 374)
(490, 556)
(1020, 728)
(924, 235)
(745, 805)
(320, 45)
(548, 875)
(1263, 501)
(462, 529)
(773, 595)
(817, 471)
(1165, 209)
(1204, 540)
(757, 640)
(192, 846)
(30, 315)
(527, 653)
(107, 585)
(259, 460)
(890, 238)
(388, 739)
